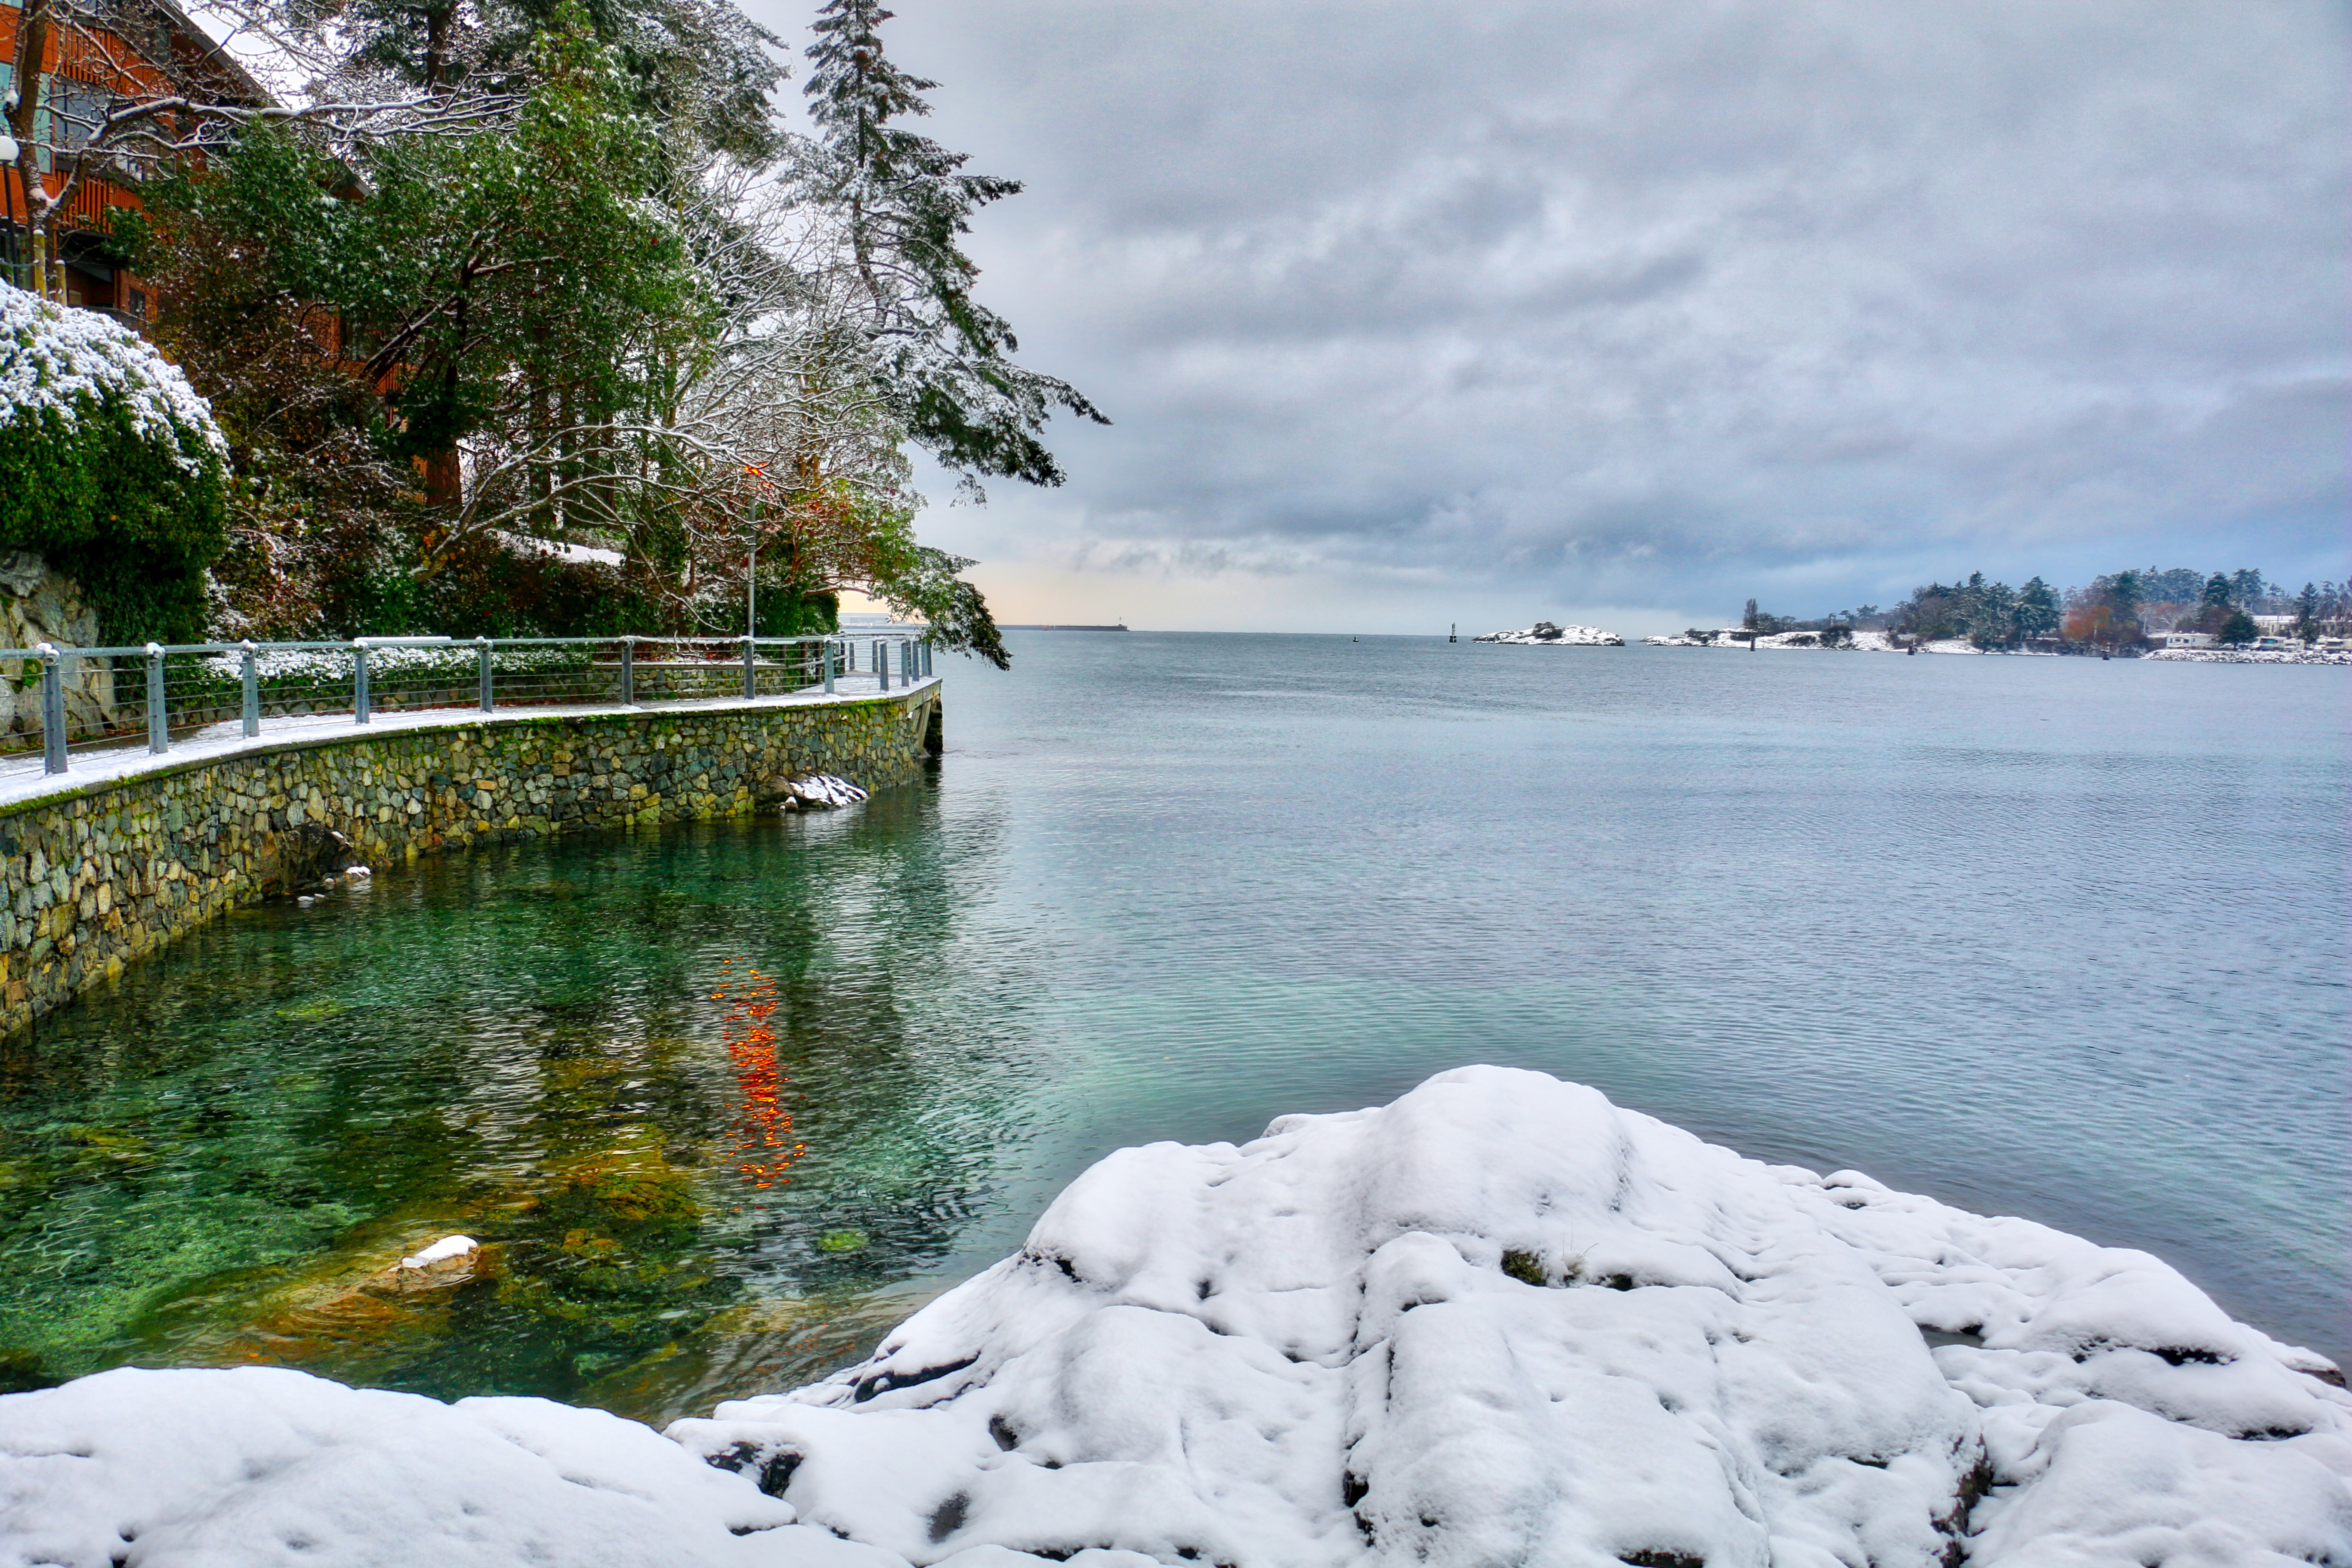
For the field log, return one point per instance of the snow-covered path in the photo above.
(22, 777)
(1500, 1321)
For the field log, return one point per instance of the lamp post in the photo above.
(8, 154)
(759, 473)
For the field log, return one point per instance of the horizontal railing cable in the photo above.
(55, 702)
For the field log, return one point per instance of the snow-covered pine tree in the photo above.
(902, 201)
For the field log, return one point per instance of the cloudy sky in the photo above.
(1622, 312)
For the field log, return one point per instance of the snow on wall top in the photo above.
(1500, 1321)
(53, 358)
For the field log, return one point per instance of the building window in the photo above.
(74, 110)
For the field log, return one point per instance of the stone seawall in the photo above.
(100, 874)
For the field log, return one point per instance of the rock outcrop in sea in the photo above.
(1544, 633)
(1499, 1321)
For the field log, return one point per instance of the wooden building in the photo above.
(94, 57)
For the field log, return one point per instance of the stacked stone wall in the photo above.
(102, 874)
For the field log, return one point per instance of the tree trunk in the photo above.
(437, 50)
(32, 58)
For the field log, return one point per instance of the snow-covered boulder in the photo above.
(1503, 1321)
(263, 1467)
(1544, 633)
(820, 791)
(1500, 1321)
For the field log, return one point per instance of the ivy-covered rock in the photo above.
(111, 467)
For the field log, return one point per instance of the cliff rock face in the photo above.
(38, 605)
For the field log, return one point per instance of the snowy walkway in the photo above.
(22, 778)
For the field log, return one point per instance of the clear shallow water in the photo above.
(2054, 937)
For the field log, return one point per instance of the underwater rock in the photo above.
(309, 856)
(442, 1251)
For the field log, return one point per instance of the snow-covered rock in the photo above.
(821, 791)
(1544, 633)
(1499, 1321)
(1502, 1320)
(442, 1251)
(2250, 656)
(263, 1467)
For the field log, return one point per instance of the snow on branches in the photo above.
(72, 363)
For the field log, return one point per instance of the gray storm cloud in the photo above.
(1656, 305)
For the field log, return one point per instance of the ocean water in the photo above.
(2061, 938)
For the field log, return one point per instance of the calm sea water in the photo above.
(2054, 937)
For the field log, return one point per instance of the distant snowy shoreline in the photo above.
(2246, 656)
(1880, 643)
(1500, 1319)
(1544, 634)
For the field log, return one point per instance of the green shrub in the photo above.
(110, 468)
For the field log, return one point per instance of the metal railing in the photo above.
(56, 702)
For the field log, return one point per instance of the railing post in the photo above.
(252, 689)
(628, 672)
(828, 666)
(359, 682)
(158, 730)
(751, 674)
(882, 663)
(482, 658)
(53, 712)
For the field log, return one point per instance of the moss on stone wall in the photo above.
(104, 874)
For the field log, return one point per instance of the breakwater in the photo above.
(101, 873)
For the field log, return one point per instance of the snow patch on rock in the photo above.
(821, 791)
(1544, 633)
(261, 1466)
(448, 1246)
(2250, 656)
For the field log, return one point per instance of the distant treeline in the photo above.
(2117, 610)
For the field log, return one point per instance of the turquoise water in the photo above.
(2055, 937)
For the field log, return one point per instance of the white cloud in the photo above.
(1550, 308)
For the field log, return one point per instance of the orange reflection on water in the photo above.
(763, 1128)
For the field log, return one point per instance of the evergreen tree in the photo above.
(2037, 609)
(2238, 630)
(2307, 613)
(1993, 620)
(2247, 589)
(904, 202)
(2177, 586)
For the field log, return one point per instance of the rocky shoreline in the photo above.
(1500, 1319)
(1544, 634)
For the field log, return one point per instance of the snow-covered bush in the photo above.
(110, 467)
